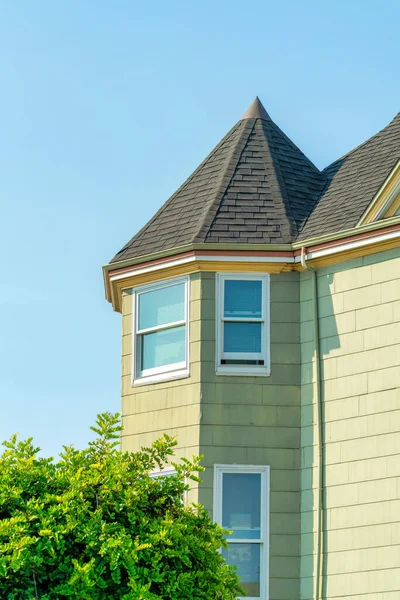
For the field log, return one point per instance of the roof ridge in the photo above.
(291, 142)
(352, 182)
(187, 181)
(364, 143)
(277, 167)
(227, 173)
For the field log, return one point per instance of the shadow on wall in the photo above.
(329, 340)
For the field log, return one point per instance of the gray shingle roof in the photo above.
(256, 186)
(353, 181)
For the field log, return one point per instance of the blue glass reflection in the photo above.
(246, 557)
(242, 337)
(243, 298)
(162, 306)
(165, 347)
(241, 504)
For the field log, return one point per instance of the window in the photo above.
(243, 324)
(168, 472)
(160, 336)
(165, 472)
(241, 504)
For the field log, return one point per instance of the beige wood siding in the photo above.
(172, 407)
(256, 420)
(359, 304)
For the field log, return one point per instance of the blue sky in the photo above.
(105, 108)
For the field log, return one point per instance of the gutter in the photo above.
(294, 247)
(318, 400)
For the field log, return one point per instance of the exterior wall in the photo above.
(172, 407)
(359, 304)
(256, 420)
(232, 420)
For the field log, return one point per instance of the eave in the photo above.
(194, 258)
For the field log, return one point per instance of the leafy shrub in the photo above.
(96, 526)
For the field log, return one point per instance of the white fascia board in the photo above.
(196, 257)
(165, 265)
(350, 246)
(255, 259)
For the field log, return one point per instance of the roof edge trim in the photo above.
(360, 244)
(344, 233)
(383, 201)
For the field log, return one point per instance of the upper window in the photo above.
(241, 496)
(160, 336)
(243, 324)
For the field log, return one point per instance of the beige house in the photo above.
(261, 326)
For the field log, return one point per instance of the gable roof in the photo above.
(256, 186)
(353, 181)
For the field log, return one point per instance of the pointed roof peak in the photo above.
(256, 111)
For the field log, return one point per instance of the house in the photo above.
(261, 326)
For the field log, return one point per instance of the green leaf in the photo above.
(95, 525)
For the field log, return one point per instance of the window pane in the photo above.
(242, 337)
(246, 557)
(241, 504)
(162, 306)
(164, 347)
(242, 298)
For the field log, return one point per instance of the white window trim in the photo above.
(264, 470)
(166, 372)
(257, 370)
(156, 473)
(160, 472)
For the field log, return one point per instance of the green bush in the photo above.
(95, 525)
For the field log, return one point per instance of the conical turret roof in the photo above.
(256, 186)
(256, 111)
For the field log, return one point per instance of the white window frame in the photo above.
(264, 470)
(264, 355)
(165, 472)
(166, 372)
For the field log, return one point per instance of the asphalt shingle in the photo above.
(256, 186)
(353, 181)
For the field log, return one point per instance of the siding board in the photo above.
(360, 345)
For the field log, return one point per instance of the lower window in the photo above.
(241, 495)
(165, 472)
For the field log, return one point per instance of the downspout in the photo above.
(318, 401)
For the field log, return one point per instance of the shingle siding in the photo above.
(360, 344)
(256, 420)
(172, 407)
(249, 420)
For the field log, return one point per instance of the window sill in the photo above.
(239, 371)
(161, 377)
